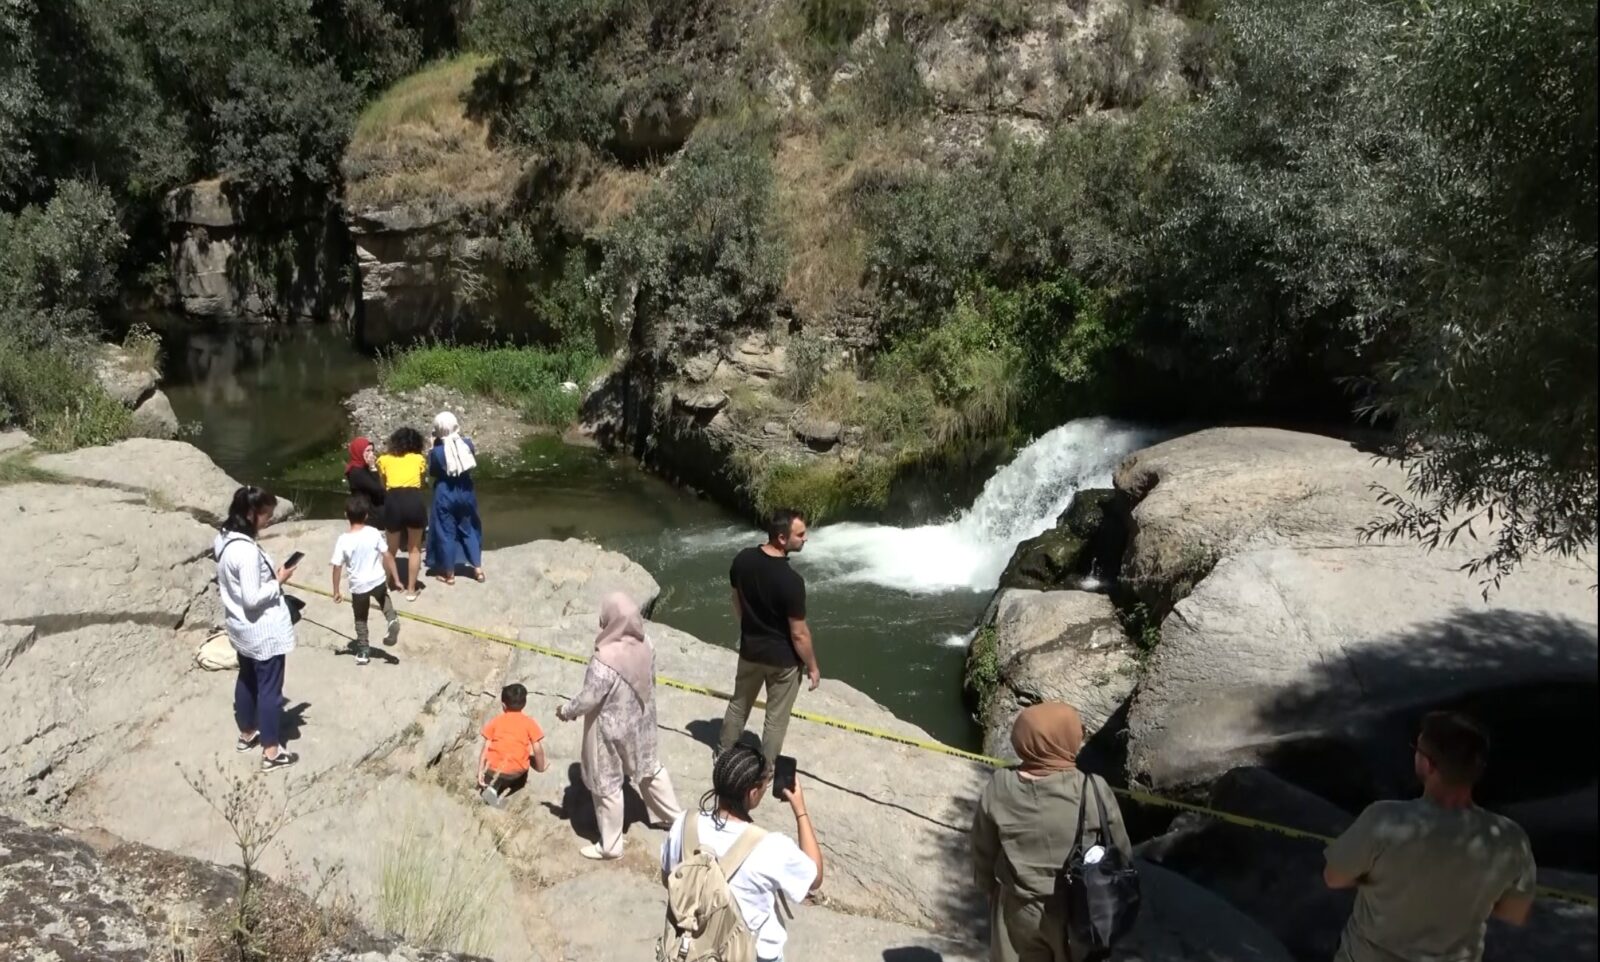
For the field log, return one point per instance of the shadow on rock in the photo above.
(1529, 678)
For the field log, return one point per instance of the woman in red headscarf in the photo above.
(1026, 826)
(361, 473)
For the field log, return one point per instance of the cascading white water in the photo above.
(1020, 501)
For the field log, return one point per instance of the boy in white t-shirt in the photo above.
(362, 552)
(739, 779)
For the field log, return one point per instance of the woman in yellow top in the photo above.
(405, 508)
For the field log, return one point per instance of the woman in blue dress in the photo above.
(455, 535)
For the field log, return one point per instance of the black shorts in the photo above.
(404, 508)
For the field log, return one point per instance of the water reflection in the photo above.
(263, 398)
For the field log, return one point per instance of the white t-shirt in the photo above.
(361, 554)
(776, 864)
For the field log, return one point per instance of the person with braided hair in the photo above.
(776, 867)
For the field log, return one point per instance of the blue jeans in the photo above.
(258, 697)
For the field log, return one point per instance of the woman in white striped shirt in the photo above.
(258, 622)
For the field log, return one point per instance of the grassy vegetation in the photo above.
(1142, 626)
(416, 142)
(983, 669)
(821, 488)
(50, 393)
(434, 895)
(20, 469)
(528, 378)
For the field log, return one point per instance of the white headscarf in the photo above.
(458, 457)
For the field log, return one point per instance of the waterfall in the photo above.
(970, 551)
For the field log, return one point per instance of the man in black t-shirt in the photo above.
(769, 601)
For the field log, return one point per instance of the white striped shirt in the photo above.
(257, 617)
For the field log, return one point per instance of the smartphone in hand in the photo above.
(783, 770)
(294, 559)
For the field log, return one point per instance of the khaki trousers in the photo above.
(659, 800)
(782, 686)
(1024, 932)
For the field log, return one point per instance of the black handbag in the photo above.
(1099, 900)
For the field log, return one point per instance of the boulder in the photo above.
(1051, 561)
(154, 418)
(171, 473)
(126, 378)
(94, 897)
(1274, 879)
(1055, 646)
(700, 368)
(1277, 880)
(1561, 827)
(757, 356)
(1294, 644)
(1084, 546)
(105, 721)
(819, 435)
(702, 402)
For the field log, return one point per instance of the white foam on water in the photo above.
(1021, 500)
(959, 641)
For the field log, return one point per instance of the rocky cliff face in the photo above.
(236, 255)
(431, 273)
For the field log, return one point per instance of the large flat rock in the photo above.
(1056, 646)
(84, 556)
(1295, 645)
(171, 473)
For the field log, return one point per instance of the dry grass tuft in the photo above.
(818, 173)
(605, 198)
(417, 144)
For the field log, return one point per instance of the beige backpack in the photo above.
(704, 923)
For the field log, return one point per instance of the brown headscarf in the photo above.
(622, 647)
(1047, 737)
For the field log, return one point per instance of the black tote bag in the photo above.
(1098, 900)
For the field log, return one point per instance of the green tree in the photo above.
(1494, 389)
(703, 248)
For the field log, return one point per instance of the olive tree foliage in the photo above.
(1494, 389)
(703, 250)
(1278, 242)
(1401, 197)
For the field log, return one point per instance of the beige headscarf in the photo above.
(458, 459)
(622, 646)
(1047, 737)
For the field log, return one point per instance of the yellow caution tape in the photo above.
(924, 744)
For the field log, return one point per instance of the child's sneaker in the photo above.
(281, 760)
(361, 658)
(393, 635)
(490, 797)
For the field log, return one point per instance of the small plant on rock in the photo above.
(255, 819)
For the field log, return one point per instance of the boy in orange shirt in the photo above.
(512, 743)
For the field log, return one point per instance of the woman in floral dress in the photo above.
(618, 708)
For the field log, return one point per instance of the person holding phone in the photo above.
(618, 708)
(778, 867)
(259, 624)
